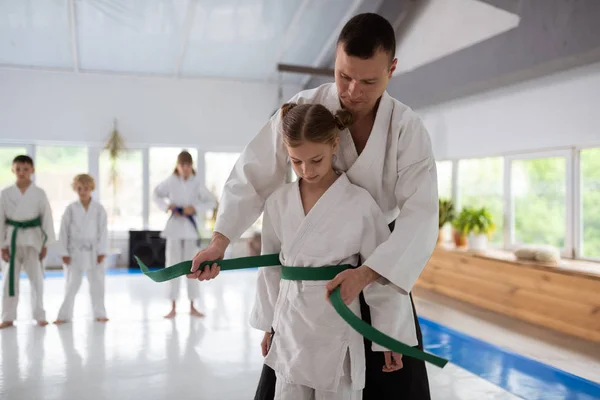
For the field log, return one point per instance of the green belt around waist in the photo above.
(307, 274)
(32, 223)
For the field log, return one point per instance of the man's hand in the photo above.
(43, 253)
(189, 210)
(172, 208)
(214, 251)
(66, 260)
(5, 255)
(393, 361)
(352, 282)
(100, 258)
(265, 344)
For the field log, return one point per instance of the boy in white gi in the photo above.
(183, 195)
(83, 241)
(26, 229)
(321, 219)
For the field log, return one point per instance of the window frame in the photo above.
(577, 224)
(509, 210)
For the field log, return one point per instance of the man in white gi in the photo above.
(388, 152)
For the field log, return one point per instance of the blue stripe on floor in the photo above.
(517, 374)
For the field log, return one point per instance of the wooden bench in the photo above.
(565, 297)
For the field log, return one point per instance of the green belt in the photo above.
(306, 274)
(32, 223)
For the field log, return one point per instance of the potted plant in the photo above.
(446, 215)
(459, 224)
(478, 224)
(115, 146)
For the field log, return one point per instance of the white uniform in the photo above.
(83, 237)
(182, 237)
(397, 168)
(311, 340)
(19, 206)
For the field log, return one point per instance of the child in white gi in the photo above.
(322, 219)
(83, 242)
(183, 195)
(26, 216)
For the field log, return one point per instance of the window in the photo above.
(538, 197)
(122, 198)
(55, 168)
(480, 184)
(162, 163)
(218, 168)
(590, 203)
(7, 154)
(444, 173)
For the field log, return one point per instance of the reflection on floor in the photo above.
(138, 354)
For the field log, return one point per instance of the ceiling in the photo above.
(229, 39)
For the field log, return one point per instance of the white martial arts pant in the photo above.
(291, 391)
(26, 258)
(178, 250)
(83, 261)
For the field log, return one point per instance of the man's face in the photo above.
(360, 83)
(23, 171)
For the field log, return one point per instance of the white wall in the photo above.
(40, 106)
(554, 111)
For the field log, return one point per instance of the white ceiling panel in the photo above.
(35, 33)
(139, 36)
(238, 39)
(318, 22)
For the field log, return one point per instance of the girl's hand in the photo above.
(265, 345)
(189, 210)
(66, 260)
(100, 258)
(393, 361)
(5, 255)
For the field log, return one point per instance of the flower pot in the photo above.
(478, 242)
(460, 240)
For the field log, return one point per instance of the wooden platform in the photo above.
(563, 298)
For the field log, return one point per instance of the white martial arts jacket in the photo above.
(84, 231)
(22, 207)
(311, 339)
(397, 168)
(181, 193)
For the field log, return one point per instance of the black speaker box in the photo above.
(148, 246)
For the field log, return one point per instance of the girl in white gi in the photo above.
(83, 241)
(183, 195)
(321, 219)
(24, 207)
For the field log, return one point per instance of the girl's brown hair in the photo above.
(184, 158)
(312, 122)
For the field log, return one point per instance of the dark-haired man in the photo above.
(388, 152)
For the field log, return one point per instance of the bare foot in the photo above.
(6, 324)
(196, 313)
(42, 323)
(59, 322)
(171, 314)
(103, 319)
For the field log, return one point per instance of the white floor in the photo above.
(140, 355)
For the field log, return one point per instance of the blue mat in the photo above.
(517, 374)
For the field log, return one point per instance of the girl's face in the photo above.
(312, 161)
(184, 170)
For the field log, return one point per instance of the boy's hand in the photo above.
(393, 361)
(66, 260)
(43, 253)
(266, 343)
(5, 255)
(100, 258)
(189, 210)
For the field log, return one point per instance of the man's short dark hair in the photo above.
(23, 159)
(364, 34)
